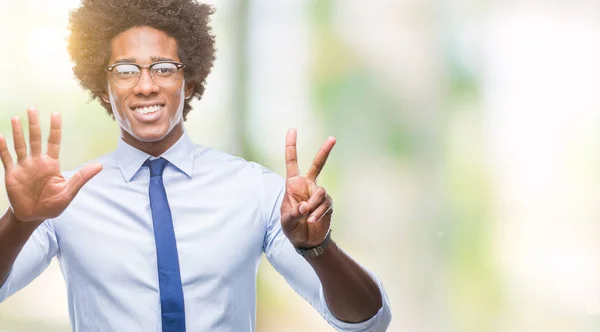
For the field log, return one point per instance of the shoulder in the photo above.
(211, 156)
(229, 163)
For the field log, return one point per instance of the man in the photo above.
(167, 235)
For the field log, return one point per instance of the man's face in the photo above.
(146, 111)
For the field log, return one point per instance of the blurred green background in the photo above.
(465, 174)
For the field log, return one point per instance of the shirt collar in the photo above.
(180, 155)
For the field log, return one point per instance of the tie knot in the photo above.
(157, 166)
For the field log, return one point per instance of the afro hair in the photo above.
(96, 22)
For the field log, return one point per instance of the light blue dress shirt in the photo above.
(225, 214)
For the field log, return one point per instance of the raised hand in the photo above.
(307, 208)
(36, 189)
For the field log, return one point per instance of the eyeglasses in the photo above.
(127, 75)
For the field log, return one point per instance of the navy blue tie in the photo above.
(171, 292)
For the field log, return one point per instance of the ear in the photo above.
(189, 89)
(105, 97)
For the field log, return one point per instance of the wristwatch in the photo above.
(315, 251)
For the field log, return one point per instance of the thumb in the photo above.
(82, 176)
(292, 218)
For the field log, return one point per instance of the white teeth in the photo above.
(149, 109)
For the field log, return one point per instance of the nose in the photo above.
(145, 85)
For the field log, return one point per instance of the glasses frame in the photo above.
(110, 68)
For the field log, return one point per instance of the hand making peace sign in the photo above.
(307, 208)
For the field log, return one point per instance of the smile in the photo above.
(148, 109)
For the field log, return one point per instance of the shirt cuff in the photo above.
(378, 323)
(5, 287)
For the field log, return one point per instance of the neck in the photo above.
(155, 148)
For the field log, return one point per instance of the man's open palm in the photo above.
(36, 189)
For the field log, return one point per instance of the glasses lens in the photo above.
(164, 73)
(125, 75)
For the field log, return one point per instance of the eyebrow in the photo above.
(154, 58)
(125, 60)
(160, 58)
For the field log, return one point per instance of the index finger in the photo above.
(54, 137)
(320, 159)
(291, 160)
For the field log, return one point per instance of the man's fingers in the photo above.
(320, 159)
(54, 137)
(82, 177)
(325, 208)
(19, 138)
(313, 202)
(35, 133)
(291, 159)
(5, 154)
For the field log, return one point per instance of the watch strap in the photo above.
(315, 251)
